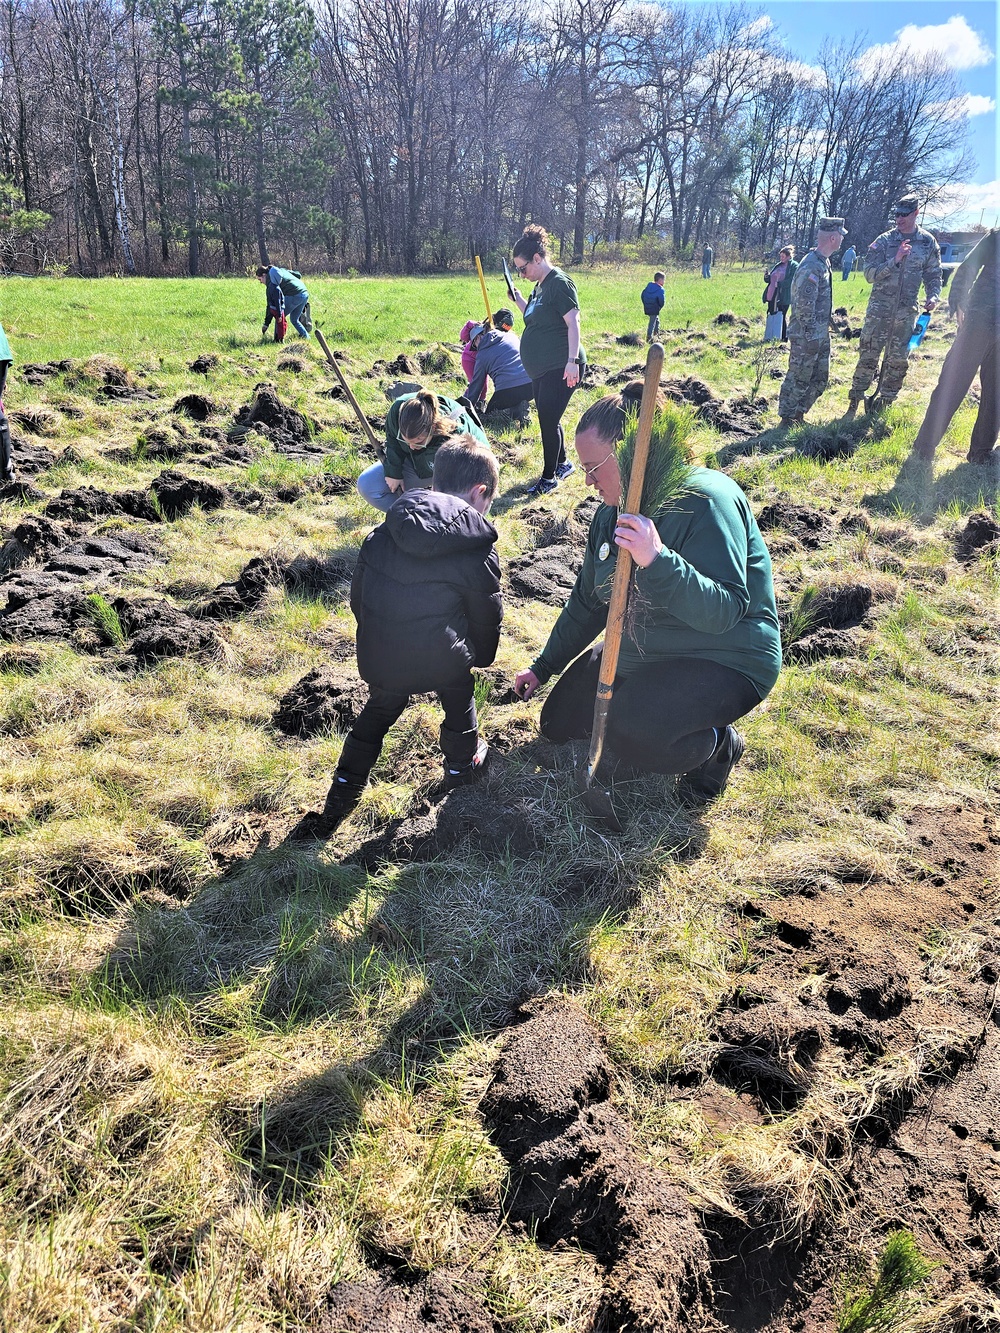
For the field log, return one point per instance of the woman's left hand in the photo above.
(637, 535)
(571, 374)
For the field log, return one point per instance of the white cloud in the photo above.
(959, 108)
(797, 69)
(964, 205)
(954, 42)
(758, 26)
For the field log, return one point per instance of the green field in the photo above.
(238, 1072)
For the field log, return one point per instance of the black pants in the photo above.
(6, 447)
(552, 394)
(505, 399)
(661, 715)
(976, 347)
(384, 707)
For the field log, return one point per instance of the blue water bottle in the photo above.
(919, 329)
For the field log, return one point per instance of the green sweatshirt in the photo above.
(709, 593)
(397, 450)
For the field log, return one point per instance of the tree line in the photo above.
(203, 136)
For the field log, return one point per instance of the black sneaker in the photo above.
(564, 469)
(462, 777)
(709, 779)
(543, 486)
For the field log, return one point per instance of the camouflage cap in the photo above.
(909, 203)
(833, 224)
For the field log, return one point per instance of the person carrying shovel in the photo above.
(700, 645)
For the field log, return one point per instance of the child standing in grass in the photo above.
(652, 304)
(426, 596)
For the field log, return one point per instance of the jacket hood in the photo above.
(489, 339)
(425, 524)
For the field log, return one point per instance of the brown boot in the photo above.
(852, 408)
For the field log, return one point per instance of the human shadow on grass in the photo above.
(822, 441)
(411, 959)
(918, 494)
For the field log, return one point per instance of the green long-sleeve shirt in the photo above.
(709, 594)
(397, 450)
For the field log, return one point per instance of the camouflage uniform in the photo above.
(808, 336)
(882, 328)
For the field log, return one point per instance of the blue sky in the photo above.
(966, 32)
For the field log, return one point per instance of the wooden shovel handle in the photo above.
(623, 563)
(349, 395)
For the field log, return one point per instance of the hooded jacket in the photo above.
(652, 298)
(498, 357)
(426, 594)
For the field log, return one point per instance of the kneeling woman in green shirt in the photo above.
(701, 645)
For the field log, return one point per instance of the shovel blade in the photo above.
(597, 801)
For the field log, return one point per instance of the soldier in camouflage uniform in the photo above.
(896, 264)
(809, 325)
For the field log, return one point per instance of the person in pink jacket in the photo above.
(469, 354)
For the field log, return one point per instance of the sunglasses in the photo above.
(522, 268)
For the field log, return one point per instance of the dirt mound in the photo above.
(36, 420)
(326, 697)
(88, 502)
(19, 492)
(177, 494)
(292, 364)
(725, 317)
(316, 575)
(576, 1177)
(201, 365)
(436, 360)
(30, 459)
(156, 629)
(827, 443)
(690, 389)
(194, 405)
(445, 1301)
(36, 373)
(548, 574)
(840, 323)
(824, 643)
(980, 536)
(809, 526)
(839, 606)
(629, 340)
(626, 376)
(290, 432)
(31, 539)
(244, 593)
(549, 529)
(855, 977)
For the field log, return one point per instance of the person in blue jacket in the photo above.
(652, 303)
(498, 357)
(847, 262)
(287, 295)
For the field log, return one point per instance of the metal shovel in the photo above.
(595, 797)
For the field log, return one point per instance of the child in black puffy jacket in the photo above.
(426, 596)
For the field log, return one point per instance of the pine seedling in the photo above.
(900, 1271)
(669, 466)
(106, 618)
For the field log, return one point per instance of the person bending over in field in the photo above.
(426, 596)
(287, 300)
(417, 426)
(701, 645)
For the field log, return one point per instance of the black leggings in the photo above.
(661, 716)
(552, 394)
(505, 399)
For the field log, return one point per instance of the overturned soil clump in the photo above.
(156, 629)
(856, 977)
(547, 574)
(88, 503)
(178, 494)
(446, 1301)
(809, 526)
(194, 405)
(326, 698)
(551, 529)
(291, 432)
(201, 365)
(576, 1177)
(30, 458)
(244, 593)
(980, 536)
